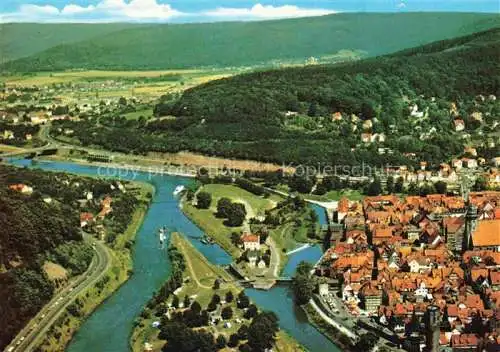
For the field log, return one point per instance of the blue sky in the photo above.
(215, 10)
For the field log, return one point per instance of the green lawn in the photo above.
(257, 204)
(136, 114)
(213, 226)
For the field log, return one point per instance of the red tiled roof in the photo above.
(464, 340)
(86, 216)
(250, 238)
(487, 233)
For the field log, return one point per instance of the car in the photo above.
(10, 349)
(22, 338)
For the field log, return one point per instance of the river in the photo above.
(108, 328)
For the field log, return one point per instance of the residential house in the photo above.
(250, 242)
(22, 188)
(487, 235)
(459, 125)
(464, 343)
(86, 219)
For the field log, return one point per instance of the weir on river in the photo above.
(109, 327)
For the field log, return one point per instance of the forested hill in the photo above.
(41, 244)
(331, 38)
(318, 114)
(23, 39)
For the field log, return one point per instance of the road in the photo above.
(332, 322)
(34, 332)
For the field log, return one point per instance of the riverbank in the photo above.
(59, 336)
(328, 330)
(199, 277)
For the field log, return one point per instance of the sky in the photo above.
(179, 11)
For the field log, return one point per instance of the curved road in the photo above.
(34, 332)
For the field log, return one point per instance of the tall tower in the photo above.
(432, 328)
(470, 226)
(466, 183)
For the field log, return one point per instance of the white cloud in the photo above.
(260, 11)
(41, 10)
(105, 11)
(401, 5)
(150, 11)
(76, 9)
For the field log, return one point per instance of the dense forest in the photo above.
(42, 225)
(337, 37)
(288, 115)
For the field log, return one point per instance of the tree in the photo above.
(262, 331)
(233, 340)
(243, 300)
(243, 332)
(175, 302)
(480, 184)
(204, 199)
(122, 101)
(196, 307)
(211, 306)
(303, 283)
(251, 311)
(390, 185)
(236, 215)
(440, 187)
(313, 109)
(187, 301)
(216, 298)
(224, 207)
(227, 313)
(398, 187)
(366, 342)
(374, 188)
(229, 296)
(235, 238)
(216, 285)
(220, 342)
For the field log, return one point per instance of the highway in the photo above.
(34, 332)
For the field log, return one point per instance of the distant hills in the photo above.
(315, 115)
(23, 39)
(49, 47)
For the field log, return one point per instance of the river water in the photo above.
(108, 328)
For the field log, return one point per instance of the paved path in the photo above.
(34, 332)
(332, 322)
(274, 264)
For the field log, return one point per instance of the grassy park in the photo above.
(213, 226)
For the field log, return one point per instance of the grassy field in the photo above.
(213, 226)
(136, 114)
(162, 76)
(117, 274)
(201, 275)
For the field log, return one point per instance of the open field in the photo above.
(48, 78)
(213, 226)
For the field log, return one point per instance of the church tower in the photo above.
(432, 328)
